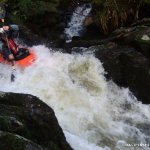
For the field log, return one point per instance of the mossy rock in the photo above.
(10, 141)
(10, 124)
(27, 116)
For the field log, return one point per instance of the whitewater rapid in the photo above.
(94, 114)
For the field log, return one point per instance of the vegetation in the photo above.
(146, 1)
(3, 1)
(111, 14)
(25, 9)
(37, 15)
(9, 141)
(107, 14)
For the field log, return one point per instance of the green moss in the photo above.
(4, 122)
(146, 1)
(26, 9)
(53, 146)
(11, 142)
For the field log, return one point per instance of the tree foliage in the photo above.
(110, 14)
(146, 1)
(107, 14)
(26, 9)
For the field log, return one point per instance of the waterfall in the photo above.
(75, 26)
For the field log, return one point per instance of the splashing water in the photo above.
(94, 114)
(75, 26)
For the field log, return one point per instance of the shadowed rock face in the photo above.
(28, 123)
(128, 68)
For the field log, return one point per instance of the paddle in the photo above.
(13, 73)
(12, 62)
(2, 16)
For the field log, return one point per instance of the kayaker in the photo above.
(7, 46)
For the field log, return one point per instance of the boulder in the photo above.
(127, 67)
(27, 121)
(137, 36)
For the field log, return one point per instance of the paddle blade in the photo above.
(12, 77)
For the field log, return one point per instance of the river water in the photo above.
(94, 114)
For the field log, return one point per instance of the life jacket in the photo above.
(19, 53)
(11, 45)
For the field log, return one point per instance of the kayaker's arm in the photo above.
(13, 31)
(14, 27)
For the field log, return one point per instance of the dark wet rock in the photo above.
(78, 42)
(10, 124)
(136, 36)
(127, 68)
(28, 122)
(9, 141)
(144, 45)
(92, 32)
(27, 37)
(142, 42)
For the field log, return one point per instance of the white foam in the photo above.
(93, 112)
